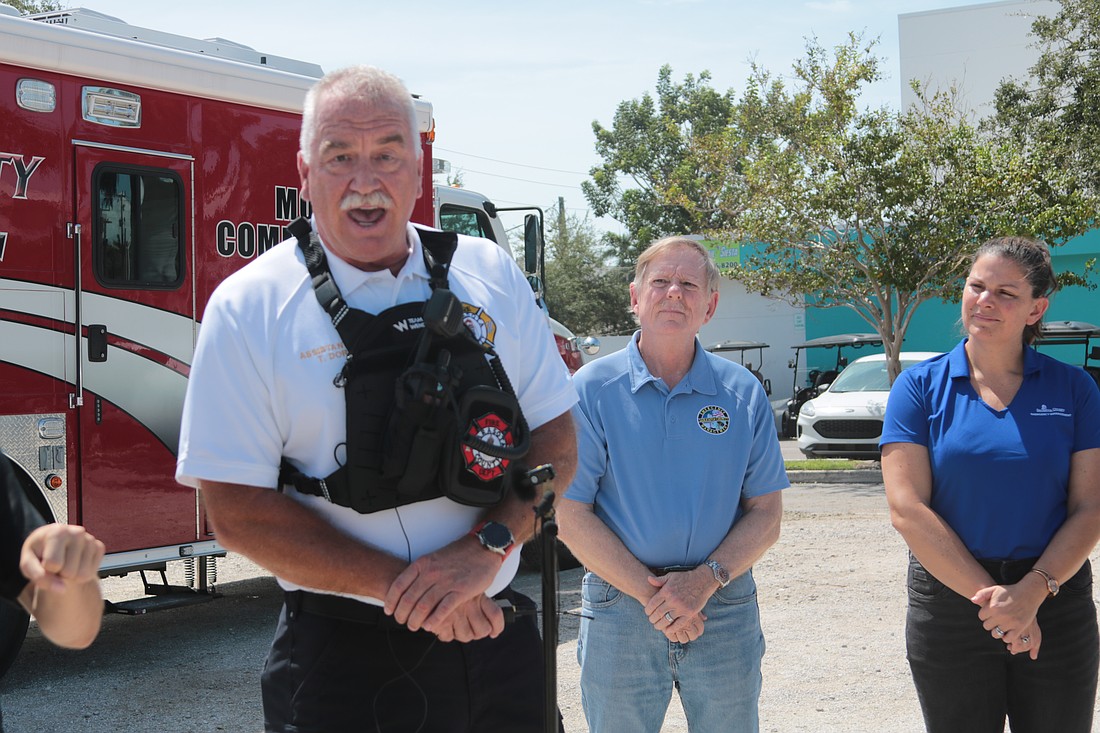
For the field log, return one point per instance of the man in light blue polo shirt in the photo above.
(677, 494)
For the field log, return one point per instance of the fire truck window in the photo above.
(464, 221)
(137, 229)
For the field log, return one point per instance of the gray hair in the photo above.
(714, 277)
(369, 83)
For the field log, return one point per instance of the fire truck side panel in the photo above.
(247, 188)
(37, 349)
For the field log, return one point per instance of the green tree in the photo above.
(1058, 106)
(866, 209)
(583, 290)
(27, 7)
(878, 211)
(650, 153)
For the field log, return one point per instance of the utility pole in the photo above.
(561, 218)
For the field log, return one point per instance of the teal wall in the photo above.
(936, 327)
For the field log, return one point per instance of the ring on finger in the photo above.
(998, 632)
(668, 617)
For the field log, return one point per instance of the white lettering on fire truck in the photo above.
(248, 239)
(23, 171)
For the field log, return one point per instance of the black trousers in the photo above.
(967, 681)
(336, 675)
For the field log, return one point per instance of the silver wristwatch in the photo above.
(720, 573)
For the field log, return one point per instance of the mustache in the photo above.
(372, 200)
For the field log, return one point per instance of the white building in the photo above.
(972, 47)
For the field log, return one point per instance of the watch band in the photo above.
(504, 542)
(1052, 583)
(721, 575)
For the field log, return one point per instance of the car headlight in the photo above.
(808, 409)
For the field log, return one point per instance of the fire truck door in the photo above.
(134, 308)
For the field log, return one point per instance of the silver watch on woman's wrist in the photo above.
(720, 573)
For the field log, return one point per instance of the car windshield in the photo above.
(866, 376)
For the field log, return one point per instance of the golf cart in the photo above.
(817, 380)
(741, 347)
(1074, 333)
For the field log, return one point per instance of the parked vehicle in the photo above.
(845, 420)
(816, 379)
(740, 347)
(1073, 333)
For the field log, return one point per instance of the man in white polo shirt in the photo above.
(677, 494)
(390, 621)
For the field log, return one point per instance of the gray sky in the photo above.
(517, 85)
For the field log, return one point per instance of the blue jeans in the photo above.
(968, 681)
(628, 668)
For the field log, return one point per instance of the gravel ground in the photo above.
(832, 601)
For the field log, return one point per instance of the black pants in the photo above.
(968, 681)
(329, 675)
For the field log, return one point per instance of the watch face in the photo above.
(720, 573)
(496, 536)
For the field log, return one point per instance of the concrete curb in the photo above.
(854, 476)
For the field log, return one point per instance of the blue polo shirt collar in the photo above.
(700, 378)
(959, 366)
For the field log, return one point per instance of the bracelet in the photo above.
(1052, 584)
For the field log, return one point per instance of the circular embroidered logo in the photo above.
(491, 429)
(479, 323)
(714, 419)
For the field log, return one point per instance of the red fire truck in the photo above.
(137, 170)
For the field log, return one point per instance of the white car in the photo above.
(845, 421)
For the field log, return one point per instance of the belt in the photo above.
(340, 608)
(368, 614)
(1008, 572)
(671, 569)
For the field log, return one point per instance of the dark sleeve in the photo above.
(18, 518)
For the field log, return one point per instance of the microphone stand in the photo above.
(549, 541)
(548, 536)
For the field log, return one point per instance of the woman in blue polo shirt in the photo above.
(991, 460)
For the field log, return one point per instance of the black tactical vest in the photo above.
(430, 410)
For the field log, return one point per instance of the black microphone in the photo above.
(525, 486)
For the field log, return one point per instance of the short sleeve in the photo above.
(906, 419)
(591, 457)
(1086, 428)
(765, 471)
